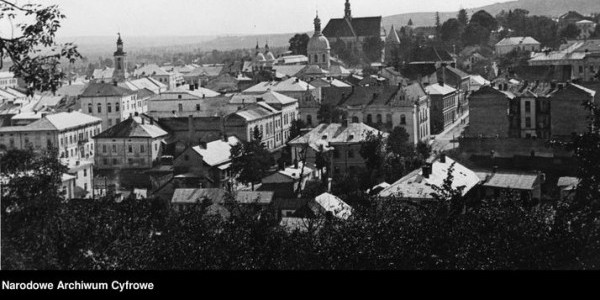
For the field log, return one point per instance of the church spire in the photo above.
(348, 11)
(317, 24)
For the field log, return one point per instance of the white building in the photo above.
(111, 103)
(509, 44)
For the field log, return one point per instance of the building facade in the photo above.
(110, 102)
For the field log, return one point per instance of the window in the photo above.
(105, 161)
(84, 172)
(108, 107)
(130, 149)
(324, 58)
(117, 107)
(316, 59)
(197, 107)
(355, 119)
(99, 107)
(85, 187)
(528, 107)
(528, 122)
(103, 148)
(308, 120)
(142, 149)
(115, 161)
(369, 119)
(110, 123)
(350, 153)
(580, 69)
(388, 119)
(180, 106)
(336, 153)
(114, 148)
(90, 110)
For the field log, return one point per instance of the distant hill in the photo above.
(94, 46)
(551, 8)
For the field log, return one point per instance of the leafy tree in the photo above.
(484, 19)
(476, 34)
(570, 31)
(372, 151)
(424, 150)
(299, 44)
(451, 31)
(373, 48)
(463, 17)
(398, 142)
(251, 160)
(330, 114)
(296, 129)
(34, 54)
(438, 23)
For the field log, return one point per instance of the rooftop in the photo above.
(191, 196)
(105, 90)
(335, 133)
(517, 40)
(290, 85)
(217, 152)
(508, 180)
(133, 127)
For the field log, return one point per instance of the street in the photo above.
(447, 140)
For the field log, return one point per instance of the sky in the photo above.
(225, 17)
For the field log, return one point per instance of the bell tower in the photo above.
(348, 11)
(120, 58)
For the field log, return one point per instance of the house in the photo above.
(83, 173)
(526, 185)
(286, 181)
(324, 206)
(567, 187)
(419, 184)
(207, 164)
(520, 43)
(213, 200)
(341, 142)
(184, 103)
(154, 71)
(149, 83)
(135, 143)
(68, 186)
(476, 82)
(433, 57)
(7, 79)
(444, 106)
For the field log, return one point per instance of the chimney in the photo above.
(196, 86)
(427, 170)
(329, 180)
(190, 128)
(202, 144)
(191, 87)
(443, 158)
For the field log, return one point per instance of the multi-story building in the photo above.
(287, 106)
(385, 107)
(459, 80)
(342, 142)
(7, 80)
(261, 116)
(582, 57)
(110, 102)
(183, 103)
(308, 96)
(444, 106)
(169, 79)
(135, 143)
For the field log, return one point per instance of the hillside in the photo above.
(552, 8)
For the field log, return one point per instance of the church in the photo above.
(353, 32)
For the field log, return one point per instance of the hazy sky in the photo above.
(221, 17)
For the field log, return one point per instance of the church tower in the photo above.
(348, 11)
(319, 50)
(120, 58)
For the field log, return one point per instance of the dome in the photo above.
(260, 57)
(270, 56)
(318, 43)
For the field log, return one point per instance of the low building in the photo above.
(325, 206)
(419, 184)
(208, 164)
(83, 173)
(213, 200)
(581, 57)
(184, 103)
(586, 29)
(509, 44)
(68, 186)
(132, 144)
(342, 142)
(567, 187)
(288, 180)
(527, 186)
(8, 80)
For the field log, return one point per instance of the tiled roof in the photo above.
(518, 40)
(269, 97)
(415, 186)
(335, 133)
(105, 90)
(150, 70)
(217, 152)
(191, 196)
(437, 89)
(132, 128)
(255, 111)
(508, 180)
(289, 174)
(141, 83)
(199, 92)
(290, 85)
(250, 197)
(369, 26)
(48, 101)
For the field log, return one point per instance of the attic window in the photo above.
(351, 137)
(324, 137)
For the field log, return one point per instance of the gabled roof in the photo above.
(59, 121)
(217, 152)
(415, 186)
(518, 40)
(269, 97)
(392, 37)
(191, 196)
(437, 89)
(334, 205)
(289, 85)
(254, 197)
(72, 90)
(255, 111)
(105, 90)
(369, 26)
(150, 70)
(289, 174)
(132, 128)
(199, 92)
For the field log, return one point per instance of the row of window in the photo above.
(142, 148)
(109, 107)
